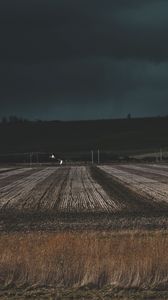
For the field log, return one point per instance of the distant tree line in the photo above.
(13, 119)
(17, 120)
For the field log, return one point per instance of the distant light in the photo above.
(61, 161)
(52, 156)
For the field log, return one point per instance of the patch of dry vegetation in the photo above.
(122, 260)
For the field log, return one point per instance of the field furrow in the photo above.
(5, 169)
(13, 195)
(45, 195)
(82, 193)
(156, 166)
(144, 173)
(157, 171)
(13, 179)
(146, 187)
(13, 173)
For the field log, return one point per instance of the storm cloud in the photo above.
(83, 59)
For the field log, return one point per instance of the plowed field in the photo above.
(109, 195)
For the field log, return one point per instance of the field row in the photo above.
(60, 189)
(79, 189)
(146, 181)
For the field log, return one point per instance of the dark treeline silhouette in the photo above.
(13, 119)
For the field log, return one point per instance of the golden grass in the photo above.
(126, 259)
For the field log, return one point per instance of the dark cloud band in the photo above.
(82, 51)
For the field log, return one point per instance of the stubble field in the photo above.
(74, 227)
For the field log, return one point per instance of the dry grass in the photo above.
(126, 259)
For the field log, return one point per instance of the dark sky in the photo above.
(83, 59)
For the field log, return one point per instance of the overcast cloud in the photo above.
(83, 59)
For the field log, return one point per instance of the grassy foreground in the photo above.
(86, 265)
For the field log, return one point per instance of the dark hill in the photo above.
(119, 137)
